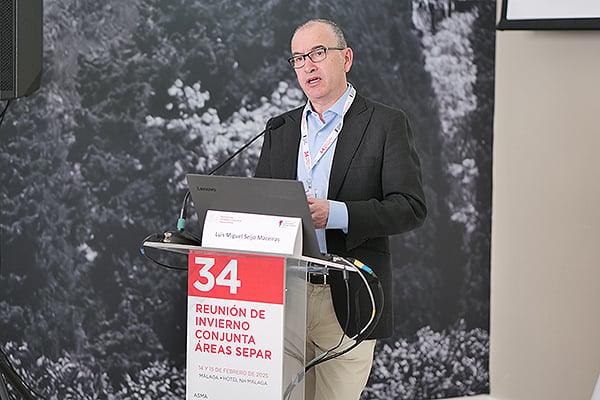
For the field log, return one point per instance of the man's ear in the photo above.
(348, 58)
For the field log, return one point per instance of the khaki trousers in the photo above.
(344, 377)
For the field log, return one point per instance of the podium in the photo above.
(246, 325)
(246, 322)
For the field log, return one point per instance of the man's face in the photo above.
(323, 82)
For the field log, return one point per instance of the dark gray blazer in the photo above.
(376, 173)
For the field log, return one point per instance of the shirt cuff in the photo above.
(338, 216)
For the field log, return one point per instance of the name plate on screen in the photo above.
(252, 232)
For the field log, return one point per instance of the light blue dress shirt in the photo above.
(318, 132)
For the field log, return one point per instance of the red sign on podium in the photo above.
(236, 277)
(235, 326)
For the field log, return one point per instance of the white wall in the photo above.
(545, 312)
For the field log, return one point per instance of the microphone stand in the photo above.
(179, 236)
(274, 123)
(8, 374)
(238, 151)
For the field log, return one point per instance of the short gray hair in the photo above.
(337, 31)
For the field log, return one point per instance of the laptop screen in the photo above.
(278, 197)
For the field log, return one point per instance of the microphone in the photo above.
(185, 238)
(273, 123)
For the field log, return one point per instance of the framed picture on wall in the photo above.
(549, 14)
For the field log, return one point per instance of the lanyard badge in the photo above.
(308, 162)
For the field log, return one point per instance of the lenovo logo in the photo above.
(206, 189)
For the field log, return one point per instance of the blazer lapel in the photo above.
(291, 143)
(355, 124)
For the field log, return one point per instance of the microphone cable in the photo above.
(8, 372)
(4, 112)
(370, 325)
(160, 237)
(361, 269)
(313, 362)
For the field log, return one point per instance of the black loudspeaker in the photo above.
(20, 47)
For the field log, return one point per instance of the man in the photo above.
(362, 178)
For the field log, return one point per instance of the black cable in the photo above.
(9, 372)
(367, 272)
(145, 254)
(183, 212)
(346, 323)
(4, 112)
(360, 337)
(4, 394)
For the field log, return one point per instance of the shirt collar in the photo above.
(337, 107)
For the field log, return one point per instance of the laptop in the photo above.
(280, 197)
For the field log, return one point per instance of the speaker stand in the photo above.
(7, 374)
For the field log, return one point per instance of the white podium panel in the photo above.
(245, 336)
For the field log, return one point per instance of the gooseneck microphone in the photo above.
(183, 237)
(273, 123)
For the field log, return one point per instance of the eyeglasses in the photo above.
(315, 55)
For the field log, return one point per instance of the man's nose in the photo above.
(309, 65)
